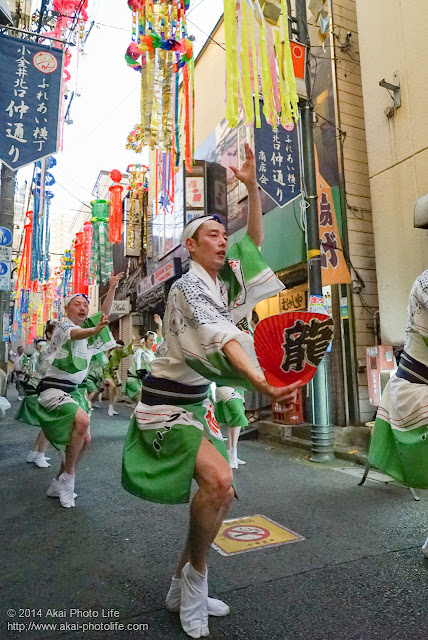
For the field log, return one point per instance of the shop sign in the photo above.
(121, 307)
(334, 269)
(278, 161)
(159, 276)
(195, 192)
(293, 299)
(30, 96)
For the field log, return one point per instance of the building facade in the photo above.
(394, 52)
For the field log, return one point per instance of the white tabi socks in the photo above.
(55, 488)
(40, 461)
(193, 607)
(66, 491)
(173, 600)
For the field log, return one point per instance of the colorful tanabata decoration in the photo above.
(41, 207)
(258, 61)
(77, 276)
(162, 51)
(290, 346)
(102, 249)
(70, 22)
(138, 185)
(66, 269)
(86, 255)
(115, 211)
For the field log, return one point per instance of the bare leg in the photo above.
(86, 443)
(93, 395)
(77, 442)
(41, 443)
(209, 505)
(111, 392)
(232, 437)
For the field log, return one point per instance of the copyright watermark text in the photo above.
(72, 619)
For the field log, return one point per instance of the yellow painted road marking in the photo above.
(250, 533)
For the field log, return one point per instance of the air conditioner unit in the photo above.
(421, 212)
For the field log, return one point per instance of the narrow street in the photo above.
(357, 575)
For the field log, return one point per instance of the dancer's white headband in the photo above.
(74, 295)
(191, 228)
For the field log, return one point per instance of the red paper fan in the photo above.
(290, 346)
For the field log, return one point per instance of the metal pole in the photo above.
(7, 204)
(322, 435)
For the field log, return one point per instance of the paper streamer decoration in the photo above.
(162, 51)
(115, 210)
(290, 346)
(258, 61)
(138, 185)
(102, 249)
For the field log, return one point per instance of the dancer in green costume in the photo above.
(399, 445)
(61, 407)
(20, 361)
(93, 383)
(230, 413)
(173, 436)
(132, 386)
(111, 374)
(37, 453)
(35, 357)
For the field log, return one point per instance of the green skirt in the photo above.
(91, 384)
(231, 413)
(164, 474)
(403, 455)
(57, 425)
(132, 387)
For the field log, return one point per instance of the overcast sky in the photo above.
(108, 106)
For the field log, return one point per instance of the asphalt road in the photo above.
(357, 575)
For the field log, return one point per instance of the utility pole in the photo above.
(322, 435)
(7, 205)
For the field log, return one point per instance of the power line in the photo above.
(206, 34)
(72, 194)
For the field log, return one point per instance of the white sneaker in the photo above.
(193, 606)
(40, 461)
(54, 489)
(425, 548)
(173, 600)
(239, 461)
(112, 412)
(66, 490)
(31, 456)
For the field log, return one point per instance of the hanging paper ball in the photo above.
(115, 175)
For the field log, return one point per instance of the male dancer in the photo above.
(61, 407)
(20, 361)
(111, 374)
(173, 436)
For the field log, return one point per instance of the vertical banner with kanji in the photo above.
(30, 97)
(334, 269)
(278, 161)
